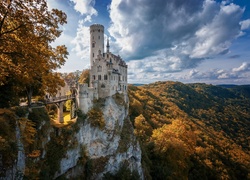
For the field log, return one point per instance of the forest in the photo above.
(192, 131)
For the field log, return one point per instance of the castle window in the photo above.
(99, 77)
(94, 77)
(99, 69)
(102, 86)
(93, 45)
(105, 77)
(99, 30)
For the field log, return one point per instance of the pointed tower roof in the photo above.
(108, 45)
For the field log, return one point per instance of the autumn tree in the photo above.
(174, 143)
(84, 78)
(71, 78)
(27, 59)
(143, 130)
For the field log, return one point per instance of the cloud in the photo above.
(245, 24)
(234, 75)
(161, 40)
(81, 42)
(82, 39)
(85, 7)
(175, 34)
(243, 68)
(234, 56)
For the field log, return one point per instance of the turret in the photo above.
(96, 41)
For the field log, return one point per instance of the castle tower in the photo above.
(96, 41)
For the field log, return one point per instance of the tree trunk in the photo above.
(29, 92)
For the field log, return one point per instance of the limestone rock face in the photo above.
(109, 147)
(66, 150)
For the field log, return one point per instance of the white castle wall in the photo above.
(96, 41)
(85, 97)
(108, 72)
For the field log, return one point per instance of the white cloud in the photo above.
(239, 75)
(81, 42)
(243, 68)
(245, 24)
(85, 7)
(82, 38)
(166, 37)
(215, 37)
(196, 29)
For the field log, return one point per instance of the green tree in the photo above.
(27, 58)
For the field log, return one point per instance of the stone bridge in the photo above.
(59, 101)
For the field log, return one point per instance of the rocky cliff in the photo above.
(109, 147)
(94, 146)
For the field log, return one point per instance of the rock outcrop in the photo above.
(94, 145)
(113, 145)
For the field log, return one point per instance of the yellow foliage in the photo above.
(28, 131)
(96, 118)
(142, 128)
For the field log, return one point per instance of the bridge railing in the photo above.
(60, 98)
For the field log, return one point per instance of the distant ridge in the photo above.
(241, 90)
(138, 84)
(227, 85)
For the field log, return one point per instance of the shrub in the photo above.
(123, 173)
(21, 111)
(96, 118)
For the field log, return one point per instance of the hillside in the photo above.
(194, 131)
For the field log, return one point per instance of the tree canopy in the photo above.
(192, 131)
(27, 58)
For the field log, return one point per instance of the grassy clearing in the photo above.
(67, 120)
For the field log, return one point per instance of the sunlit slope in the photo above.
(215, 119)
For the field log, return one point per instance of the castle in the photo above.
(108, 72)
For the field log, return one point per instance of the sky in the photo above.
(190, 41)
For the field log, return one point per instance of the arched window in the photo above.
(105, 77)
(93, 45)
(99, 69)
(99, 77)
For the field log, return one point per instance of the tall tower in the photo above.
(96, 41)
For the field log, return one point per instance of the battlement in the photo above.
(96, 27)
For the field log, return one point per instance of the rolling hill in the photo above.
(194, 131)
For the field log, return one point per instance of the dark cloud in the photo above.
(234, 56)
(166, 36)
(198, 29)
